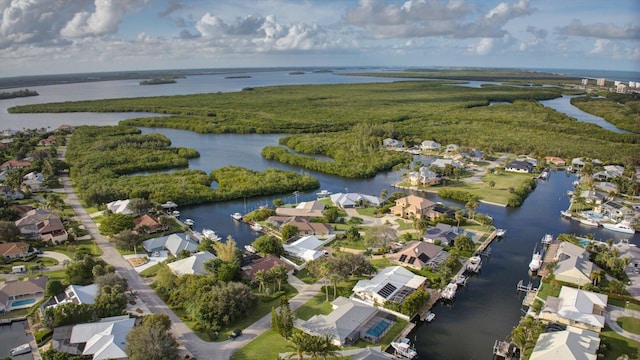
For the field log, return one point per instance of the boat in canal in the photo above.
(20, 350)
(236, 216)
(403, 348)
(250, 249)
(323, 194)
(429, 317)
(189, 222)
(211, 235)
(501, 232)
(461, 280)
(623, 226)
(536, 261)
(474, 264)
(449, 291)
(256, 227)
(589, 222)
(547, 239)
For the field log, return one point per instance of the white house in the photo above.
(569, 344)
(352, 200)
(193, 265)
(307, 247)
(393, 283)
(173, 243)
(392, 143)
(120, 207)
(575, 307)
(430, 145)
(105, 339)
(76, 294)
(520, 166)
(573, 264)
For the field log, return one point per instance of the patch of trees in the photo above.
(17, 93)
(519, 194)
(268, 245)
(152, 340)
(334, 269)
(158, 81)
(411, 304)
(235, 182)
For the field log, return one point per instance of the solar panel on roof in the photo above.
(424, 257)
(387, 290)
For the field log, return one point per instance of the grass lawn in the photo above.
(404, 225)
(546, 289)
(83, 246)
(380, 263)
(630, 324)
(624, 304)
(499, 194)
(151, 270)
(305, 276)
(267, 346)
(368, 211)
(356, 245)
(317, 305)
(618, 345)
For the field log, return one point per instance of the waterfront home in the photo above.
(120, 207)
(354, 200)
(42, 224)
(452, 148)
(442, 163)
(418, 254)
(14, 164)
(519, 166)
(554, 160)
(430, 145)
(569, 344)
(76, 294)
(411, 206)
(349, 321)
(262, 263)
(15, 294)
(308, 247)
(593, 197)
(192, 265)
(445, 234)
(439, 211)
(304, 226)
(573, 264)
(148, 224)
(392, 143)
(173, 243)
(392, 283)
(610, 172)
(575, 307)
(105, 339)
(14, 250)
(371, 353)
(303, 209)
(424, 177)
(615, 210)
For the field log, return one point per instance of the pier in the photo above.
(530, 292)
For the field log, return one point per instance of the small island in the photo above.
(296, 73)
(18, 93)
(158, 81)
(238, 77)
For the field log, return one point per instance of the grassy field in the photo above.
(499, 194)
(267, 346)
(630, 324)
(618, 345)
(317, 305)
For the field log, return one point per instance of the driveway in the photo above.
(613, 313)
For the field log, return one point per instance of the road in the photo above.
(193, 345)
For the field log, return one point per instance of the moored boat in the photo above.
(474, 264)
(189, 222)
(211, 235)
(461, 280)
(623, 226)
(404, 348)
(547, 239)
(536, 262)
(250, 249)
(323, 194)
(565, 213)
(429, 317)
(20, 350)
(588, 222)
(449, 291)
(236, 216)
(256, 227)
(501, 232)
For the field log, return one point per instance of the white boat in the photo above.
(461, 280)
(544, 175)
(429, 317)
(176, 213)
(236, 216)
(565, 213)
(211, 235)
(256, 227)
(547, 239)
(623, 226)
(20, 350)
(449, 291)
(403, 348)
(323, 194)
(588, 222)
(501, 232)
(536, 262)
(474, 264)
(189, 222)
(250, 249)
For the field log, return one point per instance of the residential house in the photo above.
(192, 265)
(554, 160)
(34, 182)
(148, 224)
(15, 294)
(573, 264)
(412, 206)
(393, 283)
(474, 155)
(424, 177)
(346, 323)
(452, 148)
(303, 209)
(569, 344)
(75, 294)
(418, 254)
(430, 145)
(575, 307)
(392, 143)
(354, 200)
(307, 248)
(305, 227)
(173, 243)
(371, 353)
(14, 250)
(120, 207)
(519, 166)
(105, 339)
(444, 234)
(530, 160)
(615, 210)
(610, 172)
(593, 197)
(14, 164)
(49, 140)
(442, 163)
(42, 224)
(262, 263)
(439, 211)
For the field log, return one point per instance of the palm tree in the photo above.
(324, 347)
(324, 273)
(459, 216)
(335, 279)
(472, 205)
(260, 277)
(300, 344)
(281, 274)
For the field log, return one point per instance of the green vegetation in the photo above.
(630, 324)
(267, 346)
(158, 81)
(617, 345)
(18, 93)
(622, 110)
(316, 306)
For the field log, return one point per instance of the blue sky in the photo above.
(67, 36)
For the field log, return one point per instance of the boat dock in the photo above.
(504, 349)
(549, 257)
(530, 292)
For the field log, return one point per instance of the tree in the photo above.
(226, 251)
(472, 205)
(152, 340)
(335, 279)
(9, 231)
(111, 279)
(463, 243)
(414, 302)
(300, 343)
(268, 245)
(280, 273)
(492, 184)
(127, 240)
(459, 216)
(139, 206)
(260, 277)
(288, 231)
(114, 223)
(80, 272)
(54, 287)
(352, 233)
(111, 301)
(53, 354)
(285, 318)
(278, 202)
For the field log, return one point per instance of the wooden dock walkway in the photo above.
(549, 257)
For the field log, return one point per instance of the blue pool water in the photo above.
(23, 302)
(379, 328)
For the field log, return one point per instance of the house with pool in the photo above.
(16, 294)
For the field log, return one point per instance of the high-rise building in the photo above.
(600, 81)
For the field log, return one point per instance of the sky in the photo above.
(74, 36)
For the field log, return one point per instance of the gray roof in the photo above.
(193, 265)
(105, 339)
(173, 243)
(347, 316)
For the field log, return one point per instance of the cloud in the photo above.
(600, 30)
(487, 46)
(105, 19)
(423, 18)
(172, 6)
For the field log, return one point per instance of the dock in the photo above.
(504, 349)
(530, 292)
(549, 257)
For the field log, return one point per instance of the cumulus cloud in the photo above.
(600, 30)
(487, 46)
(421, 18)
(172, 6)
(105, 19)
(537, 39)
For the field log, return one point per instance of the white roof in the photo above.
(306, 247)
(120, 207)
(173, 243)
(85, 294)
(569, 344)
(394, 275)
(346, 317)
(351, 199)
(193, 265)
(577, 305)
(105, 339)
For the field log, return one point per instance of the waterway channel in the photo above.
(484, 311)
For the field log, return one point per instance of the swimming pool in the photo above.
(23, 302)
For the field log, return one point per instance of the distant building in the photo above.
(430, 145)
(601, 82)
(120, 207)
(392, 143)
(585, 82)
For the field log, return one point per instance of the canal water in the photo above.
(484, 311)
(12, 336)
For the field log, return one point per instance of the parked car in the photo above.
(236, 333)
